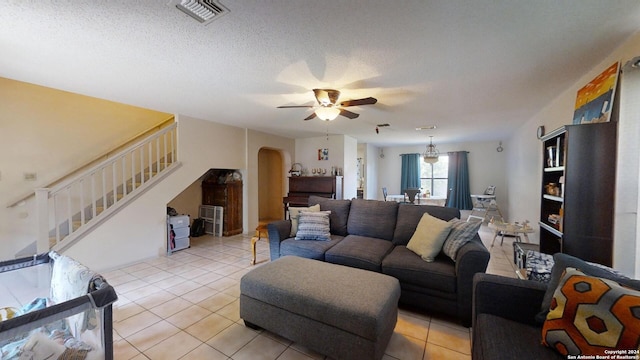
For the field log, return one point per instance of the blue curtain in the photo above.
(458, 184)
(410, 172)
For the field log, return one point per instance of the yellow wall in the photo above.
(52, 132)
(189, 200)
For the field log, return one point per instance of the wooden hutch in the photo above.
(223, 187)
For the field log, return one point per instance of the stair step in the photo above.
(130, 186)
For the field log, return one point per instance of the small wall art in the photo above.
(323, 154)
(595, 100)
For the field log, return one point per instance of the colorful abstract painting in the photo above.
(595, 100)
(323, 154)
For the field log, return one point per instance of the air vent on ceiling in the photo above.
(205, 11)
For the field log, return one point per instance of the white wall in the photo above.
(525, 163)
(628, 172)
(350, 168)
(255, 141)
(371, 160)
(486, 167)
(139, 230)
(343, 153)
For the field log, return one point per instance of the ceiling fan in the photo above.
(328, 108)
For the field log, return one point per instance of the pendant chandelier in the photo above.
(430, 155)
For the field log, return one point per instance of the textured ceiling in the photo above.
(476, 69)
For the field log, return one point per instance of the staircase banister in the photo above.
(57, 185)
(111, 159)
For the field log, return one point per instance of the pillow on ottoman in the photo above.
(429, 236)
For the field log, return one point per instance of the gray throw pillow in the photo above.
(313, 226)
(294, 214)
(563, 261)
(461, 233)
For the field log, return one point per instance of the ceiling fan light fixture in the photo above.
(326, 97)
(431, 154)
(327, 113)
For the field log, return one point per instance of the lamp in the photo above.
(327, 113)
(430, 155)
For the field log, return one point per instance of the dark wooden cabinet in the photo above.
(578, 188)
(229, 197)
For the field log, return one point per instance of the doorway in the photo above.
(270, 189)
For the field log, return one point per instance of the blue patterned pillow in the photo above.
(461, 233)
(314, 226)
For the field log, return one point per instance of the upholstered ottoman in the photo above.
(342, 312)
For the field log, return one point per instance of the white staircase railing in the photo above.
(69, 210)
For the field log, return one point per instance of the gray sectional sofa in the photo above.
(508, 314)
(372, 235)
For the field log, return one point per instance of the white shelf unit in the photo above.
(178, 231)
(212, 216)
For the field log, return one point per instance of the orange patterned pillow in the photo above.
(589, 315)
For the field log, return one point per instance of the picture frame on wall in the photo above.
(323, 154)
(594, 101)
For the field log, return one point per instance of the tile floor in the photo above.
(185, 306)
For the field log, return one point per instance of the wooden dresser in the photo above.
(229, 197)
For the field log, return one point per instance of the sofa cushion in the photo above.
(461, 233)
(294, 214)
(310, 249)
(429, 236)
(409, 268)
(313, 225)
(339, 212)
(561, 262)
(360, 252)
(590, 315)
(372, 218)
(410, 215)
(495, 337)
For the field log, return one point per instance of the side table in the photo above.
(261, 232)
(515, 229)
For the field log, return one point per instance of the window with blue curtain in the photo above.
(459, 190)
(410, 176)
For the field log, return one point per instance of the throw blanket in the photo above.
(69, 280)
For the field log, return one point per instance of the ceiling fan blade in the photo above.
(312, 116)
(349, 114)
(357, 102)
(294, 106)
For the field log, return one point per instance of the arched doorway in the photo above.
(270, 190)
